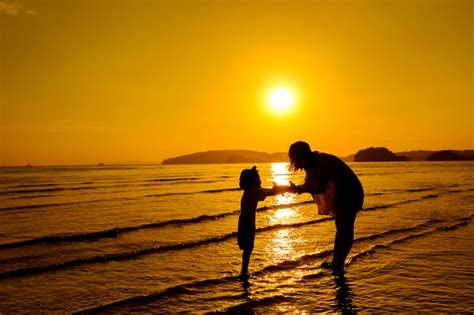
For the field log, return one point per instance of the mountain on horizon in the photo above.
(228, 156)
(249, 156)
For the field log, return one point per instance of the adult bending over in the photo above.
(336, 190)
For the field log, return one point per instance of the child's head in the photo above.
(249, 179)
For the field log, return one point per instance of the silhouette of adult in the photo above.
(336, 190)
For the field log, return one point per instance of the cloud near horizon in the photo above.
(14, 8)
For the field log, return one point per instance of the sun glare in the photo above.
(281, 99)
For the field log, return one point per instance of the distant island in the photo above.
(446, 155)
(372, 154)
(228, 156)
(379, 154)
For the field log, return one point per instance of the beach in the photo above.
(162, 238)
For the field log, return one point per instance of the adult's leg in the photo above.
(245, 261)
(344, 238)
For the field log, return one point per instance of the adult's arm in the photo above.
(307, 188)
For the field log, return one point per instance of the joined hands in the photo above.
(292, 188)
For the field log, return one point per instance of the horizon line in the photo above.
(161, 163)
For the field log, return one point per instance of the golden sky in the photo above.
(118, 81)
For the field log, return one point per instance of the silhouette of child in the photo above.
(253, 193)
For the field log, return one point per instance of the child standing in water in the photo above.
(253, 193)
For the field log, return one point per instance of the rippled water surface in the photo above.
(163, 239)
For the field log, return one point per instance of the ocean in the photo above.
(162, 238)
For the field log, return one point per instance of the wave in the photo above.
(30, 185)
(289, 264)
(389, 205)
(172, 179)
(194, 192)
(115, 182)
(25, 191)
(171, 291)
(185, 288)
(285, 265)
(112, 257)
(142, 252)
(423, 189)
(110, 199)
(420, 189)
(37, 206)
(186, 245)
(152, 182)
(149, 183)
(75, 168)
(462, 190)
(31, 197)
(47, 205)
(462, 222)
(247, 306)
(116, 232)
(86, 168)
(398, 231)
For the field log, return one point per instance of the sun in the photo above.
(281, 99)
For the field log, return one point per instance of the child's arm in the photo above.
(280, 189)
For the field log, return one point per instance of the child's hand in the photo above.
(275, 187)
(280, 189)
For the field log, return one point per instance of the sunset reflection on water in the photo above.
(280, 247)
(280, 175)
(284, 244)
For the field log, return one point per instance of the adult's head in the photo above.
(300, 155)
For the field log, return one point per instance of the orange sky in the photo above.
(118, 81)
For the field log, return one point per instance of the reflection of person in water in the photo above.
(337, 191)
(343, 298)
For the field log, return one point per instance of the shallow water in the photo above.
(162, 239)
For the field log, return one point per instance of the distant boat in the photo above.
(28, 165)
(101, 164)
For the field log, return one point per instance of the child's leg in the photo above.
(245, 261)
